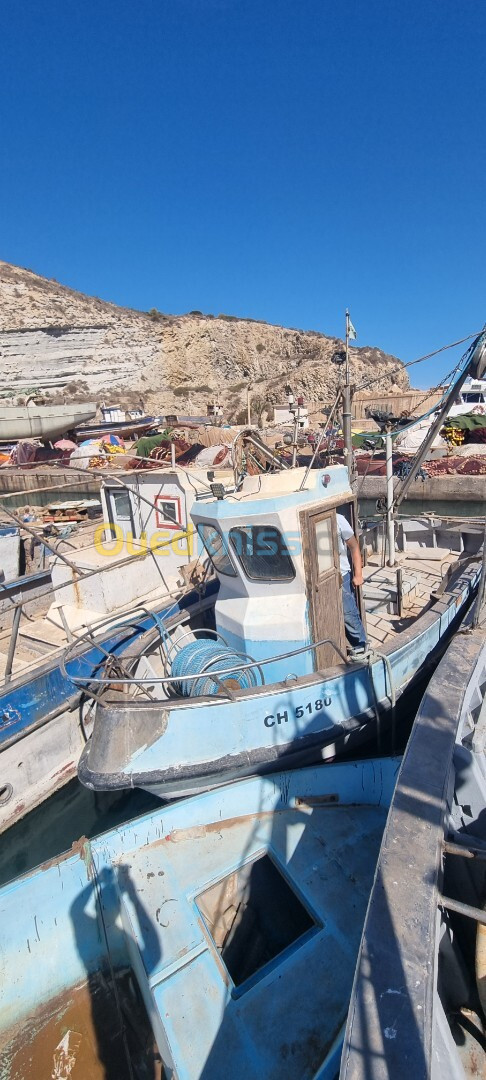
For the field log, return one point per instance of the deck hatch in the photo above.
(253, 915)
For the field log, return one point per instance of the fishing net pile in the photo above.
(464, 429)
(97, 453)
(456, 466)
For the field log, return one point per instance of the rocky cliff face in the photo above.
(75, 347)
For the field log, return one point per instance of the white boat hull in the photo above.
(33, 769)
(42, 421)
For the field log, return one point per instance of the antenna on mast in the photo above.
(348, 443)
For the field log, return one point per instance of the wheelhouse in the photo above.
(274, 547)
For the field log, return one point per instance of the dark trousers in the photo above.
(355, 631)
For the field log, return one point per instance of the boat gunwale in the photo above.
(120, 633)
(434, 610)
(261, 759)
(412, 855)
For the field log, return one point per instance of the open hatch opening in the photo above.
(253, 915)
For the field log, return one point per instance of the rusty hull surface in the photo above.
(86, 1033)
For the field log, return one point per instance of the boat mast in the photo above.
(390, 518)
(348, 447)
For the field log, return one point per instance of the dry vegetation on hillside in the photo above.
(75, 346)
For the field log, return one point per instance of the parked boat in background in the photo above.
(473, 393)
(218, 907)
(99, 596)
(418, 1007)
(41, 421)
(130, 428)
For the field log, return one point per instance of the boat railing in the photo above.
(115, 620)
(89, 681)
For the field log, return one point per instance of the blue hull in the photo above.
(416, 983)
(178, 749)
(31, 700)
(135, 897)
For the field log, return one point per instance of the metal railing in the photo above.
(169, 680)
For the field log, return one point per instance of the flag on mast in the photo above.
(352, 335)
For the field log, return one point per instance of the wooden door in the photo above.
(323, 583)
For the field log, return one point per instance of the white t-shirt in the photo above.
(345, 533)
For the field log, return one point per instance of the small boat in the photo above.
(125, 428)
(45, 721)
(226, 926)
(41, 421)
(265, 682)
(418, 1006)
(100, 597)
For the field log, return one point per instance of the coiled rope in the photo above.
(201, 657)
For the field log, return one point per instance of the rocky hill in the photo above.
(68, 346)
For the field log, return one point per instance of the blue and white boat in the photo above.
(99, 595)
(45, 720)
(99, 591)
(264, 681)
(418, 1006)
(234, 917)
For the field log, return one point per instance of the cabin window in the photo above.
(168, 514)
(473, 398)
(324, 545)
(216, 549)
(262, 552)
(120, 510)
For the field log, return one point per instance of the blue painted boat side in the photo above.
(203, 732)
(50, 928)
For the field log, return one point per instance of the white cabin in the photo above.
(145, 540)
(274, 547)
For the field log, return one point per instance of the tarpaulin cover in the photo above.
(113, 440)
(144, 446)
(466, 422)
(361, 439)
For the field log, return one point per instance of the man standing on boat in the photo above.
(355, 631)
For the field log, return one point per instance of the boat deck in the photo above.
(421, 575)
(245, 934)
(41, 638)
(37, 641)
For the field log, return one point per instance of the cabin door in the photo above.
(323, 582)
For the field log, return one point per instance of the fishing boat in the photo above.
(266, 681)
(44, 720)
(41, 421)
(126, 429)
(226, 926)
(107, 586)
(418, 1006)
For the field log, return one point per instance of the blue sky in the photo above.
(265, 158)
